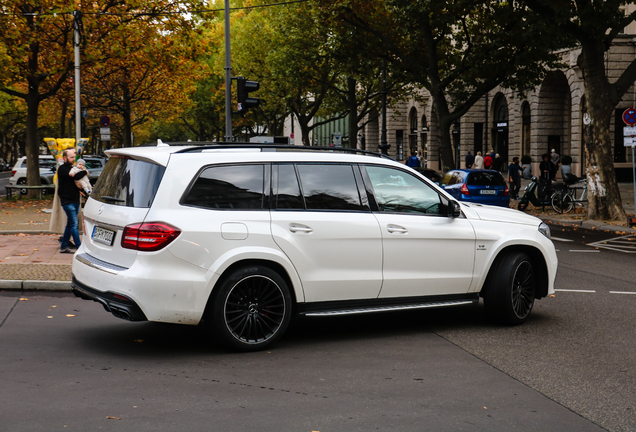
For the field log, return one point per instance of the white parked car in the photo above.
(48, 167)
(47, 171)
(244, 236)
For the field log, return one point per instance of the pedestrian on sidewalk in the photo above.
(479, 161)
(514, 178)
(70, 199)
(470, 160)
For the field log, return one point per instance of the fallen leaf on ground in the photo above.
(48, 316)
(113, 418)
(70, 315)
(24, 299)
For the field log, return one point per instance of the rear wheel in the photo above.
(251, 308)
(22, 181)
(511, 289)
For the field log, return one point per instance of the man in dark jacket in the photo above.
(470, 159)
(413, 161)
(70, 200)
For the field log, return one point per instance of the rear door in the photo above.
(324, 225)
(123, 197)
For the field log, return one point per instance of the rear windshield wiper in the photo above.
(110, 198)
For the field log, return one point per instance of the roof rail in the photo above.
(199, 147)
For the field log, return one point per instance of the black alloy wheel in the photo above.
(523, 290)
(252, 308)
(510, 290)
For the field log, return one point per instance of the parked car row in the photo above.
(48, 166)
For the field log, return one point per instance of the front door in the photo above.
(425, 252)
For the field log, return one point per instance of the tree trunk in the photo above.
(63, 119)
(31, 142)
(353, 112)
(444, 120)
(127, 138)
(604, 199)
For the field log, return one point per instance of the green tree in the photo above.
(457, 50)
(594, 25)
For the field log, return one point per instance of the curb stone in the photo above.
(35, 285)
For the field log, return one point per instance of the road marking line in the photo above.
(581, 291)
(583, 250)
(622, 292)
(561, 239)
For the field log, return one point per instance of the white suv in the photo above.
(245, 236)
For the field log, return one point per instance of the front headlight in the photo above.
(545, 230)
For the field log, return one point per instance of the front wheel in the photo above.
(522, 205)
(251, 308)
(510, 289)
(562, 202)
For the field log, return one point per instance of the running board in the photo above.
(325, 310)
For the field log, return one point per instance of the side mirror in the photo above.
(454, 209)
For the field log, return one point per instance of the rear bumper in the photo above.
(120, 306)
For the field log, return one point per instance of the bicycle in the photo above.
(563, 200)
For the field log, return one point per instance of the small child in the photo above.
(84, 183)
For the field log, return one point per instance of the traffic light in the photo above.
(244, 87)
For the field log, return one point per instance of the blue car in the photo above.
(478, 186)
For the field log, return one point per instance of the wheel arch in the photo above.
(272, 265)
(538, 263)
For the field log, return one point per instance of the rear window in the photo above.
(485, 179)
(128, 182)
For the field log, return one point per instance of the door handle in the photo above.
(396, 229)
(300, 228)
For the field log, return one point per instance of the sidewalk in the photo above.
(30, 256)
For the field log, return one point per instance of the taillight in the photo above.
(506, 191)
(13, 172)
(464, 190)
(148, 236)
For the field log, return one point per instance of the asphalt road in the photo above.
(4, 180)
(66, 364)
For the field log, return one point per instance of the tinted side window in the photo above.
(329, 187)
(288, 190)
(228, 187)
(93, 163)
(400, 192)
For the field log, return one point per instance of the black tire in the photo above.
(510, 289)
(562, 202)
(22, 181)
(251, 308)
(523, 204)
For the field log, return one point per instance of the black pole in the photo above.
(384, 145)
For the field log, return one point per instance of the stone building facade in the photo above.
(548, 117)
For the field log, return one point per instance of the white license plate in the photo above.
(488, 192)
(103, 235)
